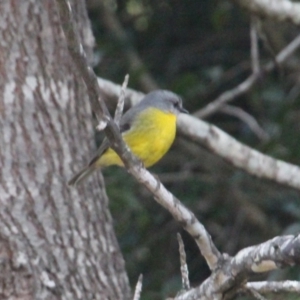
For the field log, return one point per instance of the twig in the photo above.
(120, 104)
(138, 288)
(255, 294)
(112, 90)
(254, 46)
(183, 265)
(285, 53)
(248, 119)
(293, 93)
(246, 85)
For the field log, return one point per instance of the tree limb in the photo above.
(266, 287)
(276, 253)
(238, 154)
(279, 10)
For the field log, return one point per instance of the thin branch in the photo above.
(138, 288)
(284, 54)
(183, 265)
(263, 35)
(254, 46)
(248, 119)
(112, 90)
(293, 93)
(120, 104)
(227, 96)
(283, 10)
(256, 295)
(246, 85)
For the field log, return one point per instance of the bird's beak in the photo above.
(183, 110)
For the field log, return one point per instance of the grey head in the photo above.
(163, 100)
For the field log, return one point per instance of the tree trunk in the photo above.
(55, 242)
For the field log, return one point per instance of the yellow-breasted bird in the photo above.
(148, 129)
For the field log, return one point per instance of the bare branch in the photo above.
(254, 46)
(256, 295)
(183, 265)
(266, 287)
(112, 90)
(276, 253)
(238, 154)
(180, 213)
(120, 104)
(227, 96)
(246, 85)
(138, 288)
(285, 53)
(248, 119)
(280, 10)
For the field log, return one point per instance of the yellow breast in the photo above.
(149, 138)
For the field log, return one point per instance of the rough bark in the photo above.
(55, 243)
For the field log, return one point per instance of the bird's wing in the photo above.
(128, 118)
(103, 147)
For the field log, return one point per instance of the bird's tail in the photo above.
(81, 175)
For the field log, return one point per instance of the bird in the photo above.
(148, 129)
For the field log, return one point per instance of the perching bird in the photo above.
(148, 128)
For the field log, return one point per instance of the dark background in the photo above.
(200, 49)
